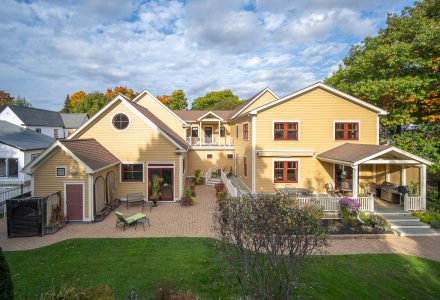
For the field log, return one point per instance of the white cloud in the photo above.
(53, 48)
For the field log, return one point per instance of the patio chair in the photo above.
(134, 219)
(329, 188)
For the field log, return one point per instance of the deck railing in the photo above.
(412, 203)
(208, 175)
(367, 203)
(232, 190)
(212, 141)
(331, 204)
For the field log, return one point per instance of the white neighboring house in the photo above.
(18, 146)
(43, 121)
(72, 121)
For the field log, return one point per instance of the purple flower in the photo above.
(349, 204)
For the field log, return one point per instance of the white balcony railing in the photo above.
(211, 141)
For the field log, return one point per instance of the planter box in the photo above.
(115, 204)
(103, 213)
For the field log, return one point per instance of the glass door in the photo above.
(343, 177)
(167, 187)
(208, 135)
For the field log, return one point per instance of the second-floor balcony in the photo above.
(210, 141)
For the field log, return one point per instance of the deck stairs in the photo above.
(406, 224)
(214, 181)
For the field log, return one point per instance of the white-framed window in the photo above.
(8, 167)
(230, 156)
(55, 133)
(61, 171)
(209, 155)
(132, 172)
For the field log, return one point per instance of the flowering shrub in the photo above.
(348, 209)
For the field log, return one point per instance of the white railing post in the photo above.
(406, 202)
(371, 200)
(208, 175)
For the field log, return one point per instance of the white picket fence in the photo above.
(232, 190)
(331, 204)
(412, 203)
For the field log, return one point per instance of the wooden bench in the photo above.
(137, 198)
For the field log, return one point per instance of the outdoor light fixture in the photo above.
(73, 172)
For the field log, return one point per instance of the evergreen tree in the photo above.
(6, 286)
(67, 108)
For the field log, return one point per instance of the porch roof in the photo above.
(355, 154)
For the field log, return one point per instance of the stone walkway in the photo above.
(173, 220)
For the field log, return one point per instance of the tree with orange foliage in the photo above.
(165, 99)
(76, 98)
(112, 93)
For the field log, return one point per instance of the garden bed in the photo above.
(335, 226)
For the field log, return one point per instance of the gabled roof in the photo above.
(87, 152)
(144, 114)
(355, 154)
(161, 125)
(31, 116)
(325, 87)
(194, 115)
(91, 153)
(251, 100)
(147, 92)
(22, 138)
(73, 120)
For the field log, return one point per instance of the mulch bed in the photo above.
(335, 226)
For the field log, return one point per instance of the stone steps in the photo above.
(406, 224)
(418, 232)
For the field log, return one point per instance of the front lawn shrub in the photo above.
(429, 217)
(6, 287)
(265, 239)
(379, 223)
(348, 210)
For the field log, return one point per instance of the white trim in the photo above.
(324, 87)
(254, 154)
(181, 176)
(255, 99)
(414, 157)
(286, 152)
(137, 98)
(346, 121)
(32, 185)
(355, 181)
(91, 198)
(285, 121)
(403, 175)
(60, 167)
(165, 166)
(242, 135)
(423, 185)
(27, 168)
(387, 173)
(113, 126)
(286, 159)
(131, 163)
(204, 133)
(212, 113)
(374, 173)
(335, 161)
(83, 197)
(377, 130)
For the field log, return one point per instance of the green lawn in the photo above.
(190, 264)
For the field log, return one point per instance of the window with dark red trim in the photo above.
(285, 131)
(245, 131)
(346, 131)
(132, 172)
(285, 171)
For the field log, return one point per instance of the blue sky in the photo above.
(49, 49)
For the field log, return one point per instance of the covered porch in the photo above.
(209, 130)
(392, 177)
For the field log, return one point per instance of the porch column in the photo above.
(423, 185)
(355, 180)
(219, 132)
(403, 175)
(200, 133)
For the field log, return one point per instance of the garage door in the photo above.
(74, 201)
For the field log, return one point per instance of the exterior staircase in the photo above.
(406, 224)
(214, 180)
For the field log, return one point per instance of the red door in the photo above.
(74, 201)
(167, 184)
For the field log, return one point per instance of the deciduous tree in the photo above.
(211, 99)
(399, 69)
(112, 93)
(21, 101)
(91, 103)
(5, 98)
(178, 100)
(76, 97)
(164, 99)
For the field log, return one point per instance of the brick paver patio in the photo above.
(173, 220)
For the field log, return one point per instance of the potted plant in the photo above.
(198, 176)
(155, 189)
(187, 197)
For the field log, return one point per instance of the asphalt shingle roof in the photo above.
(73, 120)
(37, 117)
(22, 138)
(352, 153)
(90, 152)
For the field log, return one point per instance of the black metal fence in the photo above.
(12, 193)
